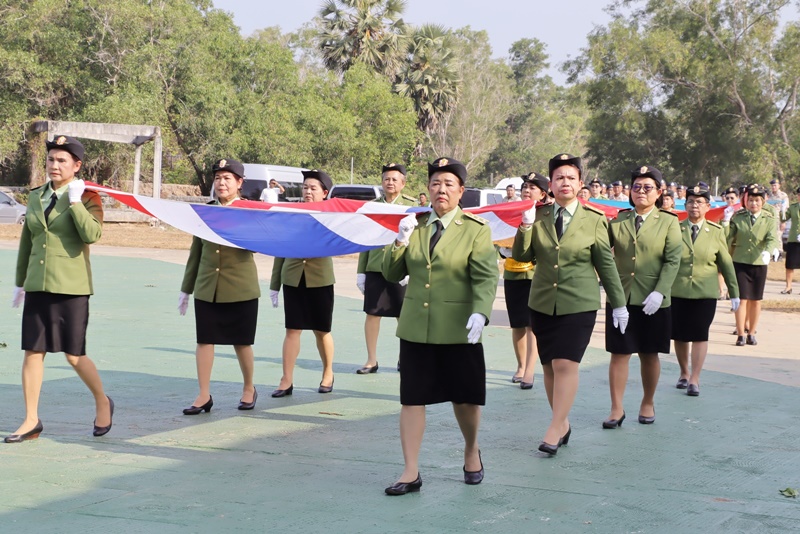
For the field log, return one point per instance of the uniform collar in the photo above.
(446, 219)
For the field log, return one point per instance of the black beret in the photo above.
(730, 190)
(70, 144)
(616, 183)
(448, 165)
(596, 181)
(668, 193)
(756, 190)
(230, 165)
(322, 176)
(538, 180)
(774, 181)
(559, 160)
(646, 171)
(700, 190)
(394, 167)
(673, 184)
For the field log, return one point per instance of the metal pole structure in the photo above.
(157, 164)
(716, 186)
(137, 169)
(351, 171)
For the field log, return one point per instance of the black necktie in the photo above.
(638, 222)
(559, 223)
(437, 234)
(695, 231)
(49, 208)
(752, 220)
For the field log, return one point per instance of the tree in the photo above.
(366, 31)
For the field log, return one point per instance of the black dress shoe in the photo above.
(552, 450)
(474, 477)
(325, 389)
(682, 383)
(398, 367)
(647, 420)
(516, 379)
(194, 410)
(565, 437)
(401, 488)
(693, 391)
(751, 340)
(740, 341)
(614, 423)
(103, 430)
(526, 385)
(278, 393)
(249, 405)
(367, 370)
(30, 434)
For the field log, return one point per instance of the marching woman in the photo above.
(792, 243)
(224, 281)
(517, 278)
(452, 268)
(694, 293)
(752, 240)
(307, 298)
(647, 251)
(54, 279)
(569, 244)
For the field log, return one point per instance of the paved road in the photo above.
(320, 462)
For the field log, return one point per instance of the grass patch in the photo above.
(783, 305)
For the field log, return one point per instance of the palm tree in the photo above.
(370, 31)
(429, 79)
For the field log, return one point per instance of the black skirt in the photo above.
(562, 337)
(792, 255)
(308, 308)
(226, 323)
(382, 297)
(516, 294)
(691, 318)
(751, 279)
(52, 322)
(645, 334)
(430, 374)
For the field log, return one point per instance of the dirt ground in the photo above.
(125, 235)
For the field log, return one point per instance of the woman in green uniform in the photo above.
(452, 268)
(647, 251)
(54, 279)
(568, 242)
(224, 281)
(307, 298)
(694, 293)
(752, 240)
(792, 247)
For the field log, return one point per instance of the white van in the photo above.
(258, 176)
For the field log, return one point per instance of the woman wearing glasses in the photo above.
(647, 251)
(705, 252)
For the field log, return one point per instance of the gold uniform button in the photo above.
(633, 258)
(555, 266)
(427, 286)
(44, 245)
(555, 285)
(428, 266)
(41, 262)
(633, 274)
(558, 248)
(217, 269)
(217, 251)
(424, 304)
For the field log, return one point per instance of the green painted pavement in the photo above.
(317, 463)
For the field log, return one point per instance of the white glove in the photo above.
(652, 303)
(798, 237)
(505, 252)
(776, 254)
(734, 303)
(19, 296)
(728, 213)
(407, 226)
(361, 280)
(620, 318)
(528, 216)
(765, 257)
(273, 295)
(75, 189)
(404, 281)
(475, 326)
(183, 302)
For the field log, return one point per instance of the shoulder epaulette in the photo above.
(211, 202)
(668, 212)
(475, 218)
(593, 209)
(713, 224)
(37, 188)
(408, 197)
(740, 211)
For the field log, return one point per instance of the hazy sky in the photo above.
(562, 25)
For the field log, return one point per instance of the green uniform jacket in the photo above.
(746, 242)
(371, 261)
(793, 214)
(443, 291)
(648, 261)
(216, 273)
(565, 279)
(700, 262)
(288, 271)
(54, 257)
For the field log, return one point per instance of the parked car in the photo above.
(476, 198)
(356, 191)
(11, 211)
(258, 176)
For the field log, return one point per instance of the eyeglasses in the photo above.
(692, 201)
(730, 197)
(645, 188)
